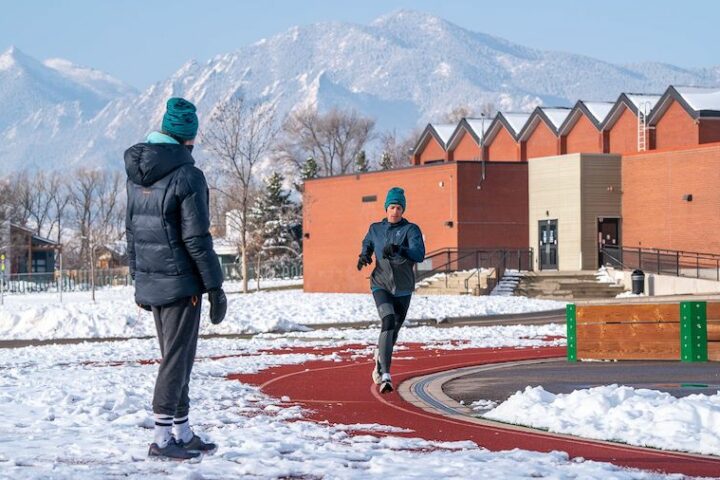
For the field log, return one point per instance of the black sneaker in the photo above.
(386, 385)
(171, 451)
(196, 444)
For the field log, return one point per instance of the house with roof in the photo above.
(501, 138)
(581, 132)
(26, 252)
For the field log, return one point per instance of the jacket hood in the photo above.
(146, 163)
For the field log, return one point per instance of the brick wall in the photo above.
(676, 128)
(583, 138)
(622, 137)
(654, 213)
(502, 148)
(542, 142)
(432, 152)
(466, 149)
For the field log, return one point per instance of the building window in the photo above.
(369, 198)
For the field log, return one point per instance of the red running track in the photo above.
(342, 392)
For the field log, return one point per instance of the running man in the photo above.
(398, 245)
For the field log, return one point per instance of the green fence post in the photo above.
(571, 322)
(693, 332)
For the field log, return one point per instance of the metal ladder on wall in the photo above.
(642, 128)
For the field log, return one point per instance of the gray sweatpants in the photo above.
(177, 327)
(392, 311)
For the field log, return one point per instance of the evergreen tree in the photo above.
(386, 162)
(272, 216)
(361, 163)
(309, 169)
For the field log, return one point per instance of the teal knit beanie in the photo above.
(396, 196)
(180, 119)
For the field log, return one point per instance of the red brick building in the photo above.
(621, 126)
(431, 147)
(465, 144)
(456, 204)
(686, 117)
(539, 136)
(582, 130)
(501, 142)
(671, 199)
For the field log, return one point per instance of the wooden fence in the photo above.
(686, 331)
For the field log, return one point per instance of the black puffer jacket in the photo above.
(170, 249)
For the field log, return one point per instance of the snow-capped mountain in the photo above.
(404, 69)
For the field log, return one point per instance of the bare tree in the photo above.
(458, 113)
(334, 139)
(59, 199)
(98, 207)
(488, 109)
(396, 152)
(239, 136)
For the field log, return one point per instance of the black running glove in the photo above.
(145, 307)
(363, 261)
(390, 250)
(218, 305)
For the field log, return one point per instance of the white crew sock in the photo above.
(181, 429)
(163, 429)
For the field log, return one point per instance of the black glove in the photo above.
(390, 250)
(218, 305)
(145, 307)
(363, 261)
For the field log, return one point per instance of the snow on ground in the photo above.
(235, 286)
(641, 417)
(455, 338)
(83, 412)
(114, 314)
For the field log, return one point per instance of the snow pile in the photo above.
(329, 308)
(456, 338)
(603, 276)
(642, 417)
(66, 418)
(114, 314)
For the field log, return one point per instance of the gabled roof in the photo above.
(440, 132)
(476, 127)
(635, 102)
(697, 101)
(553, 118)
(445, 131)
(596, 112)
(512, 121)
(33, 234)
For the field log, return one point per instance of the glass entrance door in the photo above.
(548, 244)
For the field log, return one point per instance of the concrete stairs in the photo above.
(566, 286)
(453, 283)
(508, 284)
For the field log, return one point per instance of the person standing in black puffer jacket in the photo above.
(171, 258)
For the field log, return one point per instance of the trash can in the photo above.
(638, 282)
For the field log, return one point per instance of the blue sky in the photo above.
(142, 42)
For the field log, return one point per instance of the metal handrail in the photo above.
(496, 258)
(666, 262)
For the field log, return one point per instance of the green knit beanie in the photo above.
(180, 119)
(395, 196)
